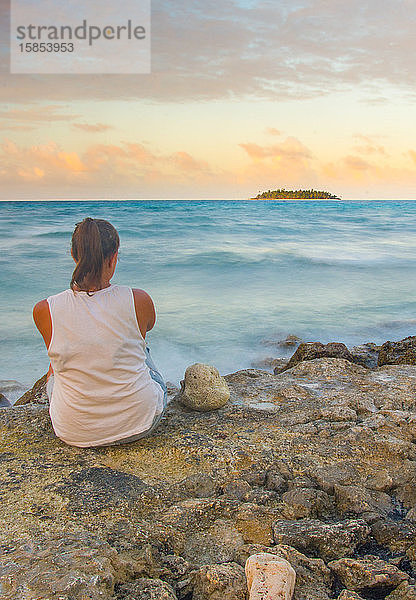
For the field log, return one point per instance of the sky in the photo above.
(243, 96)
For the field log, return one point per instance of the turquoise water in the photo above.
(225, 276)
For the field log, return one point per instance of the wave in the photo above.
(222, 258)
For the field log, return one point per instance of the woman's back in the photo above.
(102, 389)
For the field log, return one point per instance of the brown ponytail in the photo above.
(93, 242)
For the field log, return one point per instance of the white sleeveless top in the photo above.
(102, 389)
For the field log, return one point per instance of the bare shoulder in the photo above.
(43, 321)
(141, 295)
(145, 310)
(40, 310)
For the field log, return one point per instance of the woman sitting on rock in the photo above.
(102, 385)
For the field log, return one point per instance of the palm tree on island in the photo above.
(283, 194)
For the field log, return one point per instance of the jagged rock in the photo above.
(398, 536)
(398, 353)
(216, 544)
(4, 402)
(406, 491)
(380, 481)
(270, 363)
(411, 515)
(37, 394)
(366, 354)
(355, 499)
(302, 503)
(254, 475)
(203, 388)
(273, 437)
(313, 578)
(289, 341)
(220, 582)
(199, 485)
(275, 481)
(195, 514)
(349, 595)
(313, 350)
(146, 589)
(411, 555)
(269, 576)
(323, 540)
(255, 523)
(368, 573)
(64, 567)
(237, 489)
(404, 591)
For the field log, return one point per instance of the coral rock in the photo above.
(203, 388)
(269, 577)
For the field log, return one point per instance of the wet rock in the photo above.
(220, 582)
(324, 540)
(313, 578)
(203, 388)
(366, 354)
(313, 350)
(269, 576)
(146, 589)
(37, 394)
(290, 341)
(4, 402)
(369, 573)
(270, 363)
(398, 353)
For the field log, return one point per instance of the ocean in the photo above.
(229, 278)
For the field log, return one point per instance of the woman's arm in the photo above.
(43, 321)
(145, 311)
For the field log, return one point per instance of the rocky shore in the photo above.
(315, 463)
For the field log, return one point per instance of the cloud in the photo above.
(356, 163)
(92, 127)
(412, 155)
(260, 49)
(37, 114)
(99, 164)
(369, 145)
(291, 149)
(273, 131)
(26, 119)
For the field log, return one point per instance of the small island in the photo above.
(283, 194)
